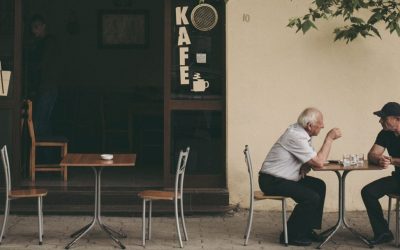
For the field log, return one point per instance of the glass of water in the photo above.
(360, 159)
(346, 160)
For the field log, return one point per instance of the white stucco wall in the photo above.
(274, 73)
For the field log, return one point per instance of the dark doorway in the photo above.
(110, 98)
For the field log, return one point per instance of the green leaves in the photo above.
(307, 25)
(386, 11)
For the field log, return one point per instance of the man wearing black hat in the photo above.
(389, 139)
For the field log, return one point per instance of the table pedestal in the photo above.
(114, 235)
(342, 216)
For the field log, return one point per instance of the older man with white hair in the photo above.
(284, 173)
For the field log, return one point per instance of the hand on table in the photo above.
(384, 161)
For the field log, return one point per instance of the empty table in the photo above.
(97, 164)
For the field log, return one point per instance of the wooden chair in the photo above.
(18, 194)
(151, 195)
(53, 141)
(397, 199)
(258, 196)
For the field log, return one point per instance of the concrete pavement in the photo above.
(224, 231)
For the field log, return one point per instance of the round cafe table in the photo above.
(341, 173)
(97, 164)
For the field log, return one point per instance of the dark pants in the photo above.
(371, 195)
(308, 193)
(43, 106)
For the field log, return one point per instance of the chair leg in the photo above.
(144, 223)
(64, 151)
(6, 213)
(389, 209)
(249, 222)
(177, 223)
(397, 223)
(149, 220)
(284, 221)
(183, 220)
(41, 210)
(32, 161)
(40, 216)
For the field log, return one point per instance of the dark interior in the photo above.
(110, 100)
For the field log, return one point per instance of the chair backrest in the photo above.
(30, 122)
(180, 171)
(6, 165)
(247, 159)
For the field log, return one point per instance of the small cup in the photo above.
(107, 157)
(346, 160)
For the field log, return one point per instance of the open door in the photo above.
(10, 100)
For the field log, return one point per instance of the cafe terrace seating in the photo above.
(258, 196)
(157, 195)
(19, 194)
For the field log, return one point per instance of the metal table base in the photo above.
(342, 216)
(114, 235)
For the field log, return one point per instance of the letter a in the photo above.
(183, 36)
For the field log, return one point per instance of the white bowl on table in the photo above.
(107, 157)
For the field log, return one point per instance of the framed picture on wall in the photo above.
(123, 29)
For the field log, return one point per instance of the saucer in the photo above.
(107, 156)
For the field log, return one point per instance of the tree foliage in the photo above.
(379, 11)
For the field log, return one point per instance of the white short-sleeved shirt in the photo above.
(286, 156)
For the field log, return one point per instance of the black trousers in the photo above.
(371, 195)
(308, 193)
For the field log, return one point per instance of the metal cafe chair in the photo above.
(258, 196)
(397, 199)
(151, 195)
(18, 194)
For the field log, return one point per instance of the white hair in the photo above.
(309, 115)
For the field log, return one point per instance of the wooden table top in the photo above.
(94, 160)
(336, 166)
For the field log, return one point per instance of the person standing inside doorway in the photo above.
(45, 72)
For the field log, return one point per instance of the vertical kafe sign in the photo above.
(183, 43)
(198, 83)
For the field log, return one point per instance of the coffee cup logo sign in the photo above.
(199, 84)
(181, 20)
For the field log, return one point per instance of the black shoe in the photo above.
(301, 241)
(382, 238)
(313, 236)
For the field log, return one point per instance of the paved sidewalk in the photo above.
(205, 232)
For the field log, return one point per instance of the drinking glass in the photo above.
(353, 159)
(346, 160)
(360, 159)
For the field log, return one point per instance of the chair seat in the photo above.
(157, 195)
(60, 139)
(27, 193)
(259, 195)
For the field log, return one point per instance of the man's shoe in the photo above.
(313, 236)
(295, 242)
(382, 238)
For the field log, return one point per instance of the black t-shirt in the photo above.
(391, 142)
